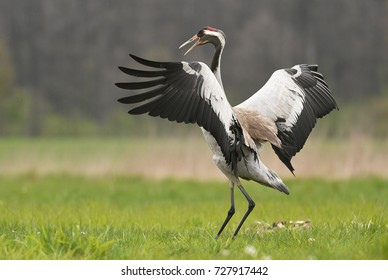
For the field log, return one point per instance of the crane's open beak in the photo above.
(197, 43)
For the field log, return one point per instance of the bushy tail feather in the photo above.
(282, 188)
(276, 183)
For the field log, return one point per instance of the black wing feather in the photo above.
(143, 96)
(141, 85)
(143, 74)
(179, 97)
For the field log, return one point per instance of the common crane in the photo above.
(283, 112)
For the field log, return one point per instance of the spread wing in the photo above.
(294, 99)
(189, 93)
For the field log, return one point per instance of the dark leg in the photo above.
(231, 210)
(251, 205)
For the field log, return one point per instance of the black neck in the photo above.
(216, 60)
(216, 64)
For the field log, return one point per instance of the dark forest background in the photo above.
(59, 58)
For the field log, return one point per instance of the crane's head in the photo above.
(207, 35)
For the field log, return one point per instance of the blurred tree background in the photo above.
(59, 58)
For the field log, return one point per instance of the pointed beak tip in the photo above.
(195, 37)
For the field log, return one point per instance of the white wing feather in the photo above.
(292, 98)
(280, 97)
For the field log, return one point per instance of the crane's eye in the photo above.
(201, 33)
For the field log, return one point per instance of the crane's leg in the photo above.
(251, 205)
(231, 209)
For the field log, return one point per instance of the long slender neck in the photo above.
(216, 65)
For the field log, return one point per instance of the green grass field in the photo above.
(64, 216)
